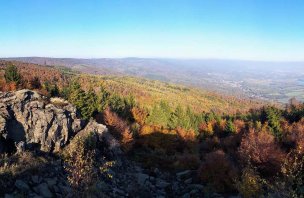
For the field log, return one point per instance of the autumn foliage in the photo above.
(250, 153)
(260, 149)
(118, 127)
(218, 171)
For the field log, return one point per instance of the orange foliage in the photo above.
(239, 125)
(207, 129)
(118, 127)
(146, 129)
(139, 115)
(12, 86)
(43, 73)
(186, 135)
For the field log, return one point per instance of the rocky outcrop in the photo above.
(29, 120)
(26, 116)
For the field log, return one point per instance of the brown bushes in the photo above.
(218, 171)
(261, 150)
(83, 163)
(79, 164)
(294, 136)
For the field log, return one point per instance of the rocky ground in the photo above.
(132, 181)
(31, 122)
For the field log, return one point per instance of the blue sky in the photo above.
(234, 29)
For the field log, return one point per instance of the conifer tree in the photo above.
(77, 96)
(230, 128)
(54, 90)
(103, 99)
(90, 104)
(160, 114)
(12, 75)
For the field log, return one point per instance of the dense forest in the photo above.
(236, 145)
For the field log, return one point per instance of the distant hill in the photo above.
(277, 81)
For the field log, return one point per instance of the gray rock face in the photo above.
(22, 185)
(28, 116)
(43, 190)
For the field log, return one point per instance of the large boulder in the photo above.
(104, 137)
(26, 116)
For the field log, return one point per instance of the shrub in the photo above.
(250, 185)
(218, 171)
(82, 164)
(261, 150)
(79, 164)
(230, 144)
(118, 128)
(294, 136)
(291, 181)
(34, 83)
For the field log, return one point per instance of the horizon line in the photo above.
(165, 58)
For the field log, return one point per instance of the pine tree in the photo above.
(12, 75)
(273, 116)
(175, 118)
(230, 128)
(54, 91)
(90, 104)
(160, 114)
(103, 99)
(77, 97)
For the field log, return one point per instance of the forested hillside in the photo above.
(229, 146)
(278, 81)
(146, 92)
